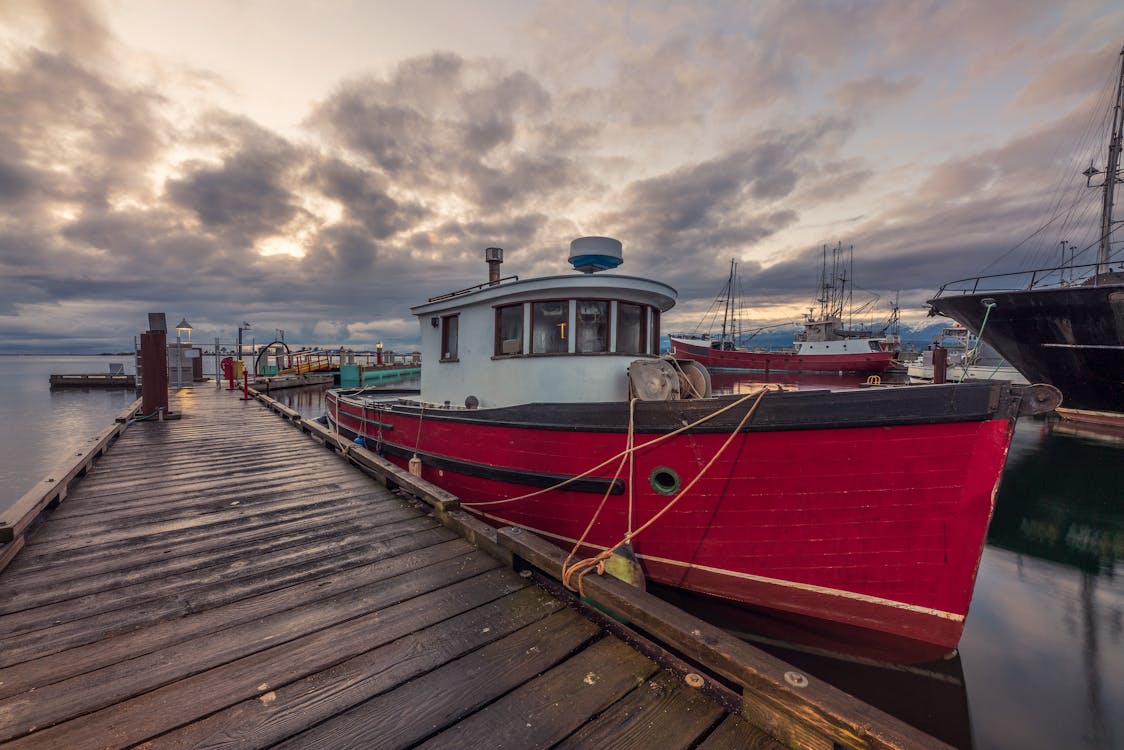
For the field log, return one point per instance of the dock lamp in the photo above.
(378, 353)
(244, 327)
(183, 330)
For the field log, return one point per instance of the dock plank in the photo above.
(548, 708)
(251, 596)
(408, 714)
(326, 695)
(661, 712)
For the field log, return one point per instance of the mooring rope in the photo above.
(625, 452)
(979, 343)
(597, 562)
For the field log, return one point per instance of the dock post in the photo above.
(940, 364)
(154, 365)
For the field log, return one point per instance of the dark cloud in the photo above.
(469, 130)
(695, 134)
(246, 196)
(365, 196)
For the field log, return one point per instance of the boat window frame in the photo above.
(498, 343)
(567, 338)
(608, 323)
(445, 327)
(649, 323)
(644, 343)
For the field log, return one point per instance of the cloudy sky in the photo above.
(317, 166)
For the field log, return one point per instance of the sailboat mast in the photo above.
(729, 304)
(1112, 171)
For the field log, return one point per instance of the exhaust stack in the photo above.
(494, 256)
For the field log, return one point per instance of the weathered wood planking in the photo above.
(222, 579)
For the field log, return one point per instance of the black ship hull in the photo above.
(1071, 337)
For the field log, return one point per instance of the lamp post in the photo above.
(244, 327)
(378, 353)
(182, 328)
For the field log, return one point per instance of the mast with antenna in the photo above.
(1111, 176)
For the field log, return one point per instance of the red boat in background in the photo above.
(842, 355)
(544, 404)
(824, 345)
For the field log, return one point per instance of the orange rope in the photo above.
(603, 464)
(627, 454)
(598, 561)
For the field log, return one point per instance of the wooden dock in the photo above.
(225, 580)
(94, 380)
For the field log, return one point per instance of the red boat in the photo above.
(864, 509)
(825, 344)
(862, 355)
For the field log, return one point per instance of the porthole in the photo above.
(664, 480)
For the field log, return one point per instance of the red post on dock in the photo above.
(245, 385)
(154, 369)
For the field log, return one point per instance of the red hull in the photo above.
(737, 359)
(879, 528)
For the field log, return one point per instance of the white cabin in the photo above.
(564, 338)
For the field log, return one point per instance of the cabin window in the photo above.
(631, 320)
(550, 323)
(450, 326)
(592, 325)
(509, 330)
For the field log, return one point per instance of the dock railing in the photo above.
(48, 493)
(1016, 281)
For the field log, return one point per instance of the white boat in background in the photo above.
(968, 359)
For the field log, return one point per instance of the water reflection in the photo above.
(309, 401)
(1061, 500)
(1045, 635)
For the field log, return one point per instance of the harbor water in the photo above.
(1041, 662)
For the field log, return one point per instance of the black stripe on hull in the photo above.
(595, 485)
(793, 410)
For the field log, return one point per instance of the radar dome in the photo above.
(590, 254)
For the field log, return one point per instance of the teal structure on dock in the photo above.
(355, 376)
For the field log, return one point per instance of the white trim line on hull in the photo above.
(749, 576)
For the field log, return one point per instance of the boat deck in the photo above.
(225, 580)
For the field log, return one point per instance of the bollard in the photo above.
(245, 385)
(940, 364)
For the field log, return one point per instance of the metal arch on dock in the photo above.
(222, 580)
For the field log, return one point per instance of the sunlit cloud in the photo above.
(147, 162)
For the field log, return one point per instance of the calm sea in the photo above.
(1041, 663)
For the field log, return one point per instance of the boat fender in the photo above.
(416, 466)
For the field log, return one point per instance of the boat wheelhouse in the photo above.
(563, 338)
(544, 404)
